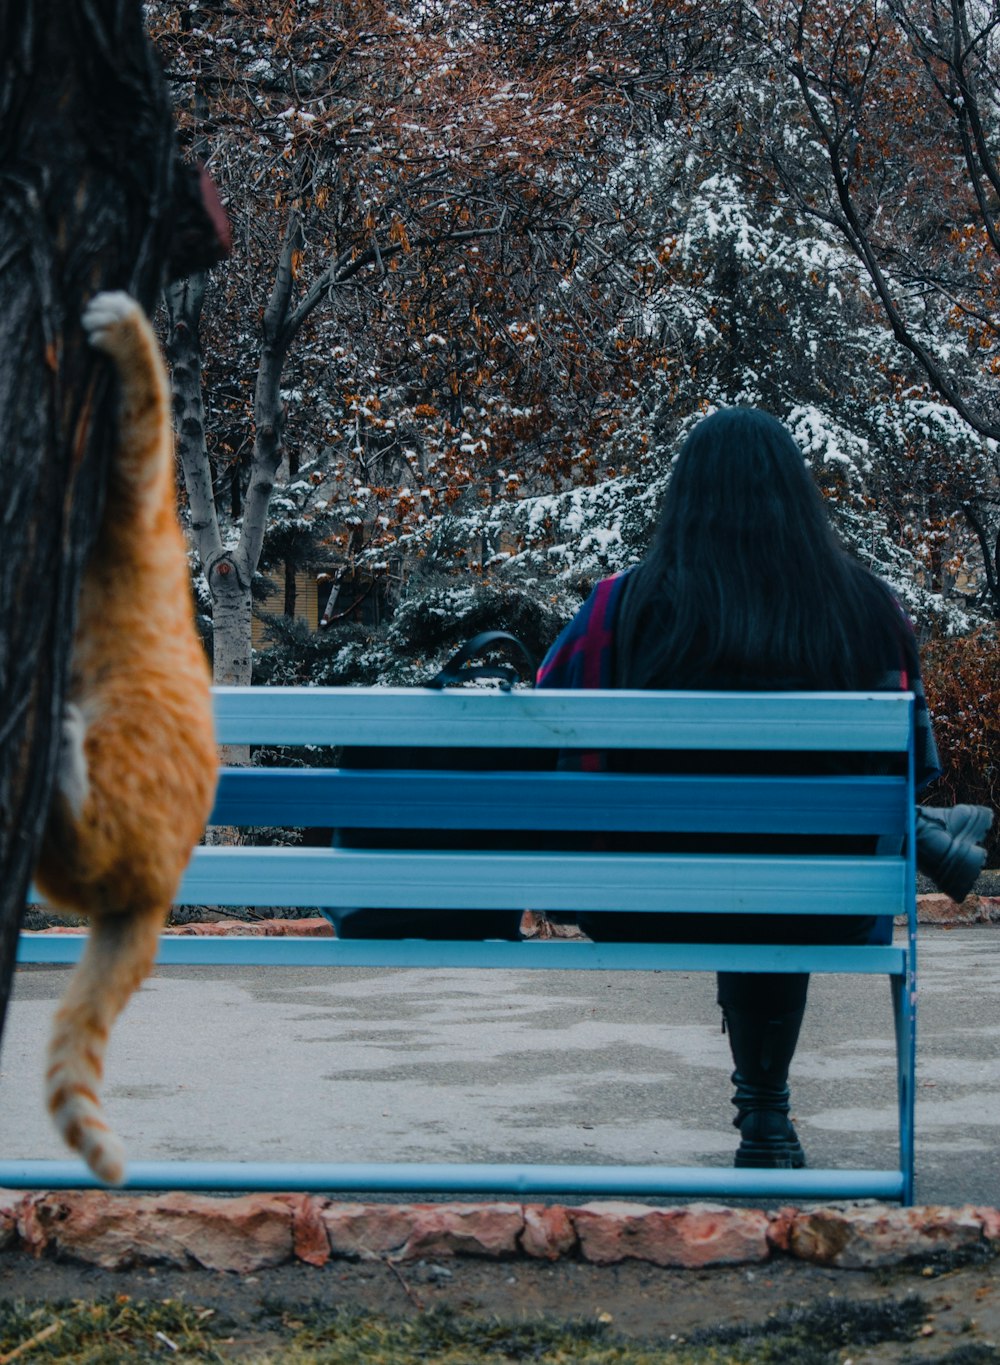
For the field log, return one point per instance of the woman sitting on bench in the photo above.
(746, 587)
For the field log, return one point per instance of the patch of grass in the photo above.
(342, 1338)
(976, 1354)
(106, 1331)
(122, 1329)
(819, 1334)
(943, 1262)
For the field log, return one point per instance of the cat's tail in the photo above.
(119, 955)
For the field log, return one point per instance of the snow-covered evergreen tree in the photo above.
(567, 256)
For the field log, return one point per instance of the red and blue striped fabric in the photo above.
(583, 655)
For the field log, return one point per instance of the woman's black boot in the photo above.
(763, 1045)
(950, 846)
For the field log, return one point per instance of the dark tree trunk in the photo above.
(90, 197)
(290, 589)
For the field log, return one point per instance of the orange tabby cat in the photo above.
(137, 766)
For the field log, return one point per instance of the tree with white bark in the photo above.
(381, 156)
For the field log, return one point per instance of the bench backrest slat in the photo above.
(446, 800)
(777, 721)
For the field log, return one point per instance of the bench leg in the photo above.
(904, 1012)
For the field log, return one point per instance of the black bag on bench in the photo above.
(446, 924)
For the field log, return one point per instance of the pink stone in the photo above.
(315, 927)
(30, 1228)
(548, 1232)
(779, 1227)
(10, 1207)
(367, 1229)
(464, 1230)
(691, 1236)
(117, 1231)
(990, 1221)
(310, 1241)
(866, 1238)
(534, 925)
(989, 909)
(80, 928)
(244, 1234)
(934, 909)
(407, 1231)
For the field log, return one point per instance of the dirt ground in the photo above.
(952, 1311)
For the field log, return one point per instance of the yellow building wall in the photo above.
(306, 607)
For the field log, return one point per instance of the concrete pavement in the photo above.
(367, 1064)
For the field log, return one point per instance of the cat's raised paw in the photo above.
(108, 315)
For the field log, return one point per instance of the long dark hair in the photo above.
(745, 583)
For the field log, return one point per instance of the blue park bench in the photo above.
(812, 804)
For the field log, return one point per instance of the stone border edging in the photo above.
(257, 1231)
(314, 927)
(942, 910)
(931, 909)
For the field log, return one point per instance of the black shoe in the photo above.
(763, 1045)
(948, 846)
(768, 1139)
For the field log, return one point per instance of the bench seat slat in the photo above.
(545, 955)
(391, 716)
(560, 801)
(719, 883)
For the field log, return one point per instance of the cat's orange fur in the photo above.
(137, 767)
